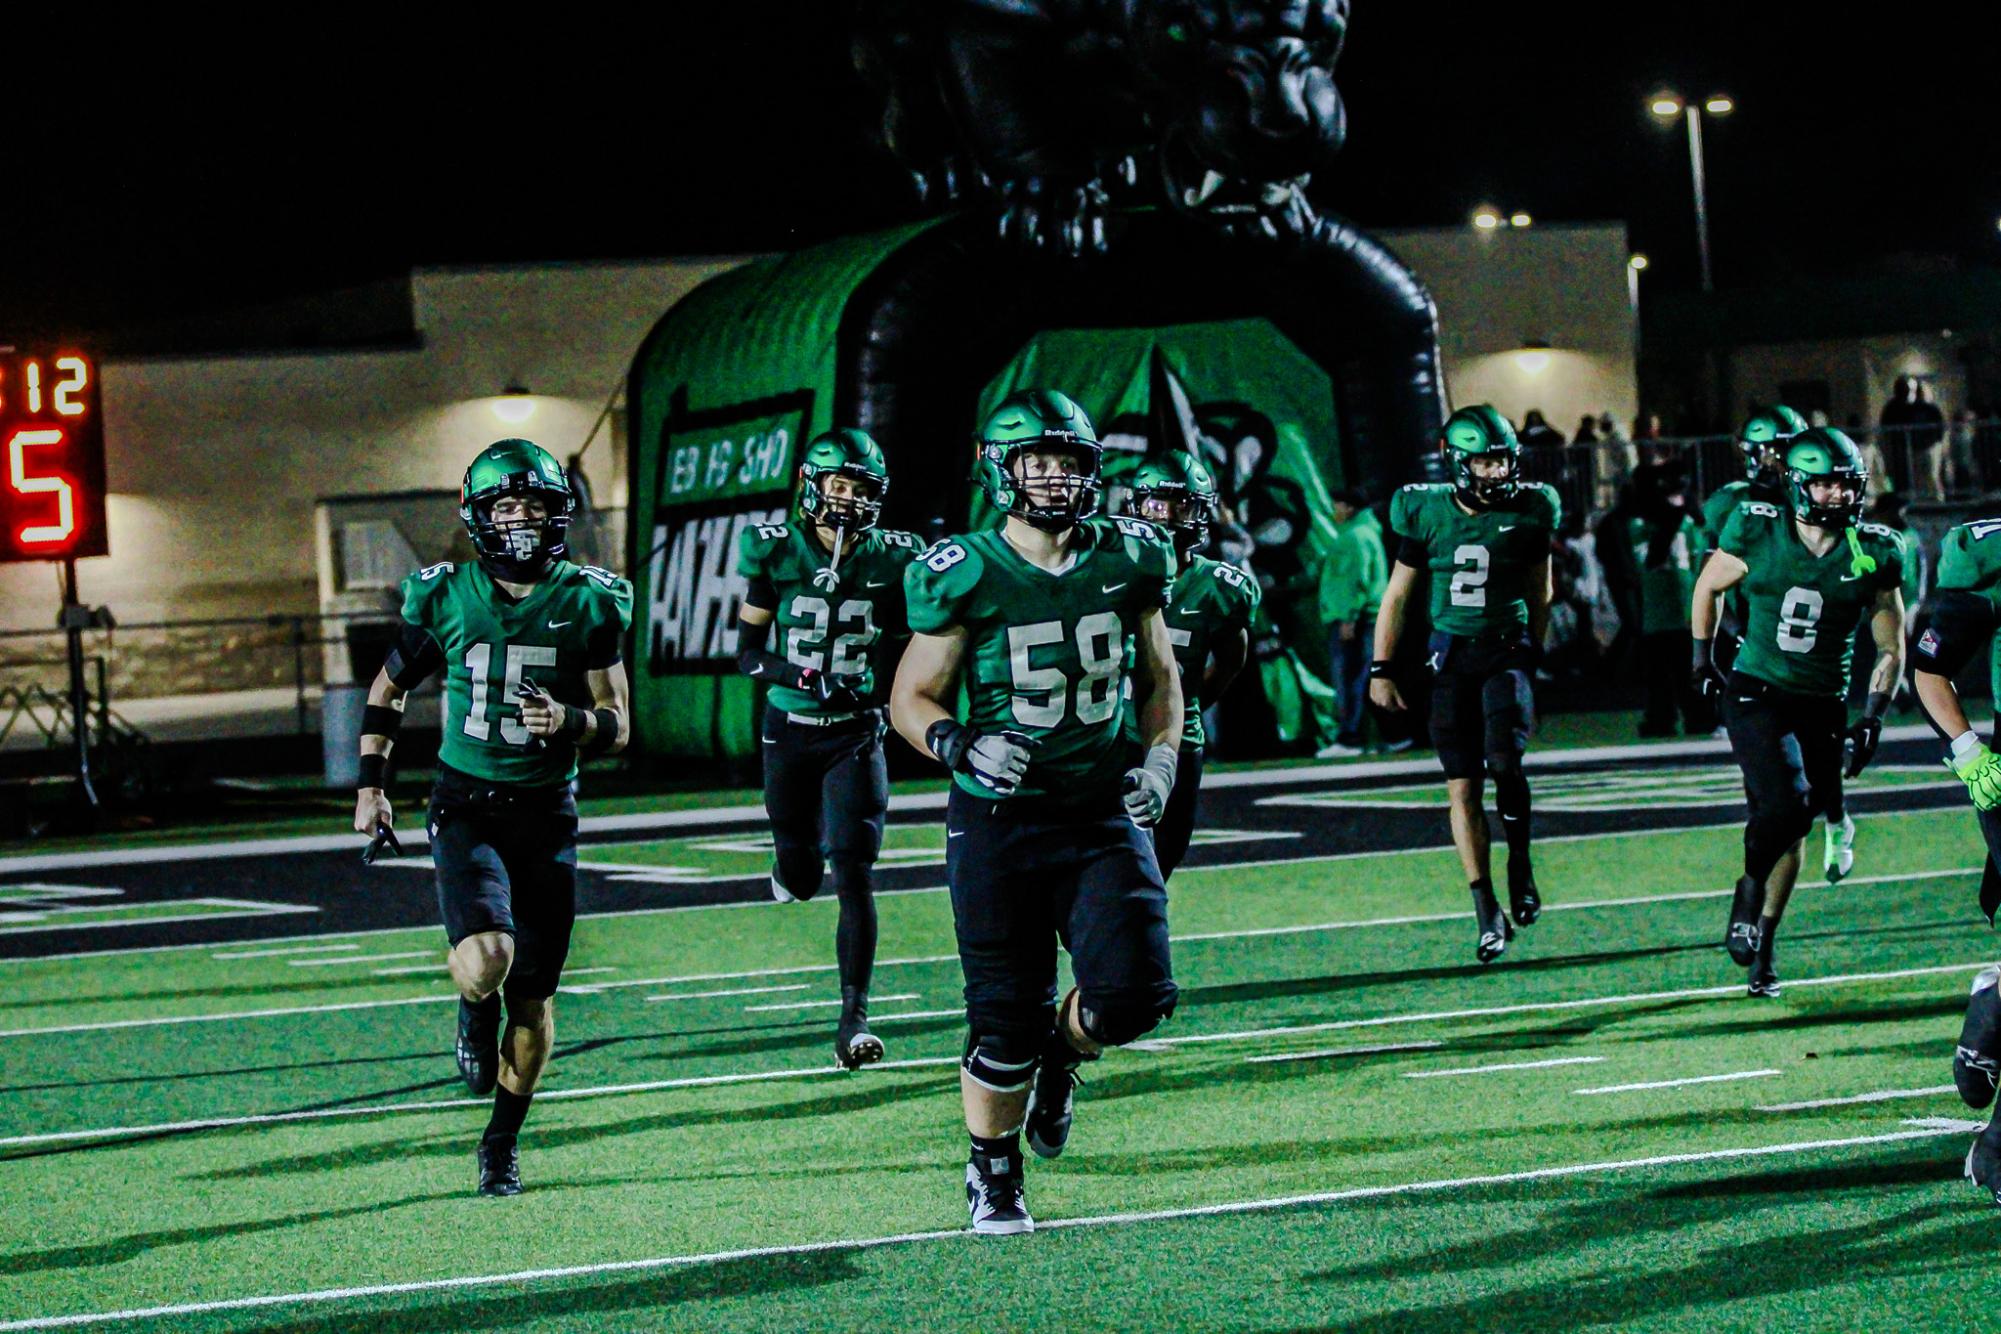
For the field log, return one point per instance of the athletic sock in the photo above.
(510, 1109)
(855, 934)
(1511, 799)
(1001, 1153)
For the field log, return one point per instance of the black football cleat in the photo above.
(499, 1167)
(1746, 906)
(1524, 899)
(478, 1048)
(1764, 974)
(1052, 1106)
(996, 1195)
(1495, 928)
(1976, 1065)
(1983, 1164)
(854, 1045)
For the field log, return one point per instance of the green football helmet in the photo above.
(1763, 437)
(521, 551)
(1177, 491)
(1039, 421)
(1818, 453)
(1482, 432)
(853, 454)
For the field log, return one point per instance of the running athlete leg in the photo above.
(1177, 822)
(855, 796)
(1766, 740)
(792, 780)
(1508, 706)
(1459, 733)
(476, 907)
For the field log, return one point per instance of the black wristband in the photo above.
(948, 741)
(381, 720)
(374, 771)
(1382, 671)
(607, 734)
(574, 722)
(1876, 705)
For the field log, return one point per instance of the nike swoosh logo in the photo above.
(955, 833)
(875, 583)
(557, 625)
(1747, 699)
(1509, 527)
(1850, 578)
(770, 741)
(1111, 588)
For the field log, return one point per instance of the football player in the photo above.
(1045, 826)
(1762, 440)
(1485, 538)
(1810, 571)
(1209, 613)
(1958, 621)
(833, 584)
(530, 644)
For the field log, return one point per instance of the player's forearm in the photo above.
(1389, 617)
(380, 722)
(1702, 611)
(1888, 630)
(1161, 712)
(1537, 599)
(1940, 701)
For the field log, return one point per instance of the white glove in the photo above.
(1147, 787)
(999, 759)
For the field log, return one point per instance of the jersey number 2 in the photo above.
(479, 666)
(1469, 580)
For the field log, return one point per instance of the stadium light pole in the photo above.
(1668, 106)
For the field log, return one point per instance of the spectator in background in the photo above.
(1963, 457)
(1928, 445)
(1352, 578)
(1871, 447)
(1618, 456)
(1893, 432)
(1664, 533)
(1537, 433)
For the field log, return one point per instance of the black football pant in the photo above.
(1789, 747)
(506, 860)
(1482, 711)
(1177, 822)
(826, 789)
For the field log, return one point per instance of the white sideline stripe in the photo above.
(417, 836)
(1304, 863)
(1881, 1095)
(221, 1018)
(232, 907)
(906, 1238)
(439, 967)
(397, 1108)
(915, 1014)
(295, 949)
(1512, 1065)
(731, 991)
(367, 958)
(1676, 1083)
(1946, 1123)
(819, 1004)
(1342, 1051)
(1489, 1011)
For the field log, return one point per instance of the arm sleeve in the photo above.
(605, 648)
(754, 549)
(1953, 626)
(413, 657)
(1412, 552)
(760, 663)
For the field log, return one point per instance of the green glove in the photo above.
(1981, 772)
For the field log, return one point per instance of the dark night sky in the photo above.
(206, 176)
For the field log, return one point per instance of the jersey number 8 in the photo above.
(1101, 647)
(1799, 617)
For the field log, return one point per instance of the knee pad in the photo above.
(1002, 1061)
(1504, 763)
(1118, 1018)
(800, 869)
(853, 878)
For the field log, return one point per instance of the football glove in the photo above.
(1861, 745)
(1981, 772)
(998, 760)
(1707, 677)
(1147, 787)
(841, 692)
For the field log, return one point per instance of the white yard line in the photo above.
(1511, 1065)
(1676, 1083)
(222, 1018)
(1266, 1205)
(1589, 1002)
(1328, 1052)
(1881, 1095)
(229, 908)
(917, 1014)
(412, 970)
(821, 1004)
(294, 949)
(366, 958)
(731, 991)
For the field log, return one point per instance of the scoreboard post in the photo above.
(52, 492)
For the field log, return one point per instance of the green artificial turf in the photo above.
(1365, 961)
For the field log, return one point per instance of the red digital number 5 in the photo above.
(24, 483)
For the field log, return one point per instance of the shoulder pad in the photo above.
(895, 539)
(1239, 582)
(937, 582)
(1146, 545)
(1546, 503)
(1404, 504)
(610, 594)
(757, 543)
(1975, 530)
(423, 589)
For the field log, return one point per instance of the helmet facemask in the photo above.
(861, 508)
(1827, 513)
(1495, 488)
(1048, 500)
(523, 549)
(1177, 508)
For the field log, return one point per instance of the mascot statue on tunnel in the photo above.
(1053, 113)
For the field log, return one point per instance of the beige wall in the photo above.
(1565, 285)
(1859, 371)
(214, 464)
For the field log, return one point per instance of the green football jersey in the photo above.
(842, 621)
(1969, 560)
(1480, 561)
(1046, 653)
(1716, 510)
(571, 623)
(1802, 609)
(1209, 599)
(1665, 589)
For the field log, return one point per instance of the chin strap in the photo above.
(1860, 562)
